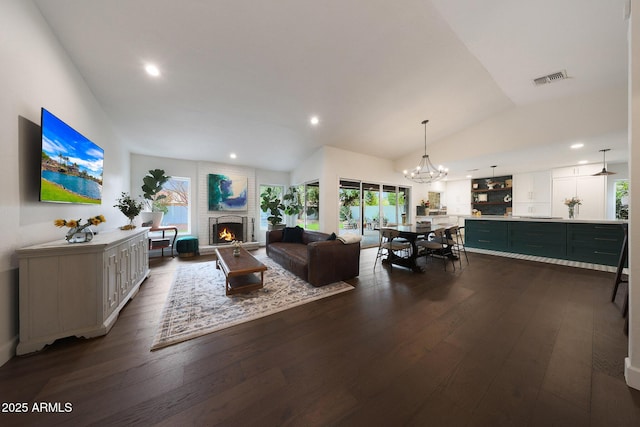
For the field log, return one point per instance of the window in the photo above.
(177, 203)
(364, 207)
(349, 207)
(279, 190)
(622, 199)
(311, 215)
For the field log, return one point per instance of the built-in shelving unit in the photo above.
(492, 196)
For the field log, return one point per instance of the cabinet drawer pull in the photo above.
(604, 253)
(605, 239)
(484, 241)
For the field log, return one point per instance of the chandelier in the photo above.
(425, 172)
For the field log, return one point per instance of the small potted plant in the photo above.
(237, 244)
(271, 203)
(151, 187)
(129, 208)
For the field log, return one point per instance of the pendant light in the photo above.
(604, 170)
(425, 172)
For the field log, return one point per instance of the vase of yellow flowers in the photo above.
(79, 233)
(571, 203)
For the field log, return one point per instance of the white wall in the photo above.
(202, 207)
(198, 173)
(35, 73)
(632, 363)
(330, 164)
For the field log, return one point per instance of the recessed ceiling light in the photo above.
(152, 70)
(583, 162)
(469, 176)
(314, 120)
(233, 156)
(578, 145)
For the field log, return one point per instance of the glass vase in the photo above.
(79, 235)
(572, 212)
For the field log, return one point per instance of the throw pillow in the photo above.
(332, 237)
(292, 234)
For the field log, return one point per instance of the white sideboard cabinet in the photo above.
(78, 289)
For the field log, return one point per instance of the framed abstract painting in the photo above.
(227, 192)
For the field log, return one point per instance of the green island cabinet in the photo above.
(547, 239)
(487, 234)
(593, 242)
(597, 243)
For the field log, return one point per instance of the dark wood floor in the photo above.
(500, 342)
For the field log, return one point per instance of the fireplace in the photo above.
(227, 228)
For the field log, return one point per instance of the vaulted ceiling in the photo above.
(245, 77)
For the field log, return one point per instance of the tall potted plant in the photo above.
(151, 187)
(270, 202)
(291, 202)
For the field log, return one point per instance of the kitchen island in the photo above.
(592, 241)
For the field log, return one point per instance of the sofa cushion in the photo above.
(292, 234)
(316, 260)
(332, 237)
(292, 256)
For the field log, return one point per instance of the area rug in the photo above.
(197, 304)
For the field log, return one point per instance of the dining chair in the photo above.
(389, 244)
(456, 241)
(437, 244)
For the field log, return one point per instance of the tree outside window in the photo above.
(622, 199)
(177, 203)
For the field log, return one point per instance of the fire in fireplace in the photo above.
(226, 235)
(226, 229)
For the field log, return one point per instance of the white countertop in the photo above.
(543, 219)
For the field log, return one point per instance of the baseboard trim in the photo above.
(557, 261)
(631, 374)
(8, 350)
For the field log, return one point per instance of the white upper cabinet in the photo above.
(532, 194)
(532, 187)
(581, 170)
(590, 190)
(458, 197)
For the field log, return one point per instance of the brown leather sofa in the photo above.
(316, 260)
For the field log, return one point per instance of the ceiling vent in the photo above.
(550, 78)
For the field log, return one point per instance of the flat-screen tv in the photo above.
(71, 167)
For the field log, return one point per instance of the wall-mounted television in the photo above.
(71, 167)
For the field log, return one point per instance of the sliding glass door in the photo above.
(366, 206)
(350, 214)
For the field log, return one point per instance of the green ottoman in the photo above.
(187, 246)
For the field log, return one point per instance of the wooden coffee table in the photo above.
(240, 271)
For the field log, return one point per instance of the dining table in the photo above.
(411, 233)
